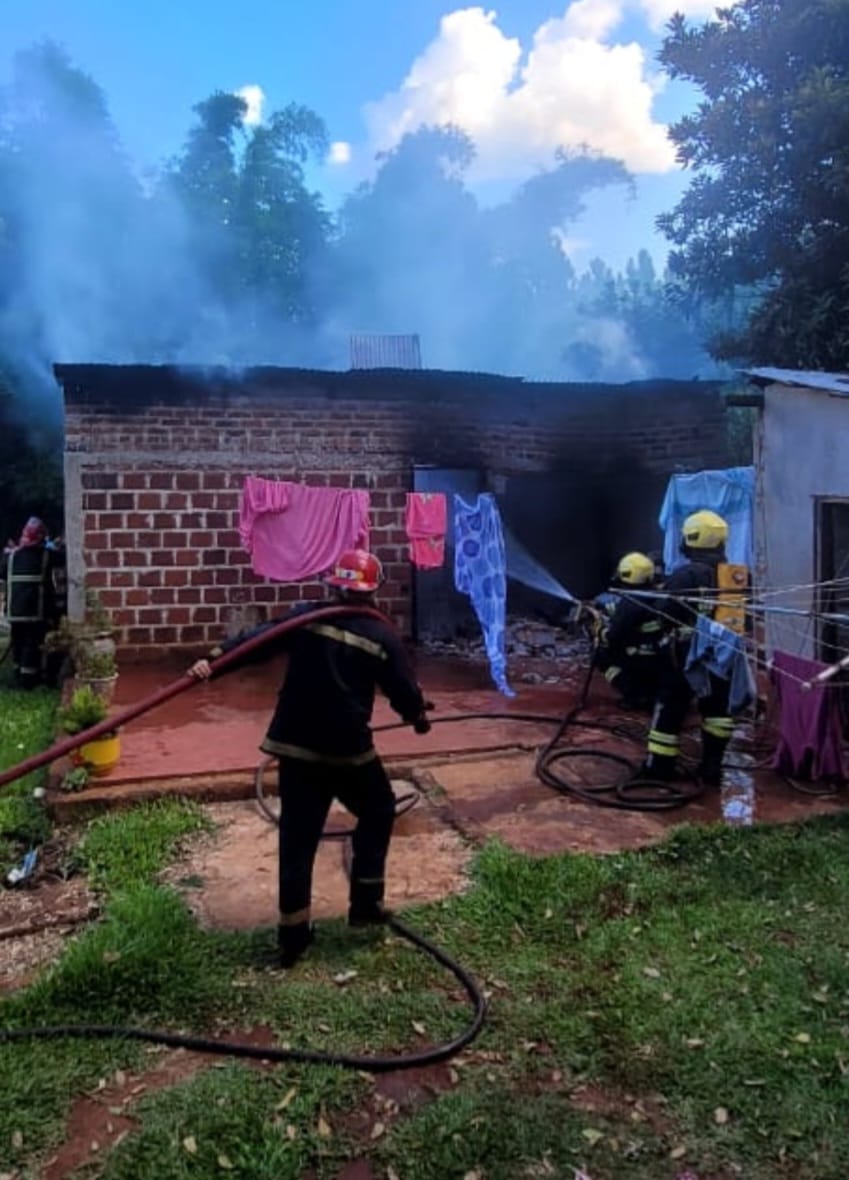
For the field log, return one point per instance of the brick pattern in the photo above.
(162, 549)
(161, 485)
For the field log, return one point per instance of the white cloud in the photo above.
(592, 18)
(340, 152)
(575, 84)
(254, 96)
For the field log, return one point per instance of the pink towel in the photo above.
(293, 531)
(426, 516)
(810, 743)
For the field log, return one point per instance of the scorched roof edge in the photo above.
(128, 386)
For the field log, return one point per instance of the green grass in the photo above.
(26, 726)
(129, 847)
(708, 977)
(233, 1122)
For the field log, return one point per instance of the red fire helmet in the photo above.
(356, 569)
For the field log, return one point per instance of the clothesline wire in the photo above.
(768, 591)
(803, 632)
(778, 591)
(733, 642)
(804, 635)
(752, 605)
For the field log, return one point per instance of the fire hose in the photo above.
(633, 795)
(370, 1064)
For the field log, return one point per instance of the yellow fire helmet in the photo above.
(635, 569)
(704, 530)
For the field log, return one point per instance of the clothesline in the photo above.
(761, 664)
(751, 604)
(778, 591)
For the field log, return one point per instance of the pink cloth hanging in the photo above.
(810, 743)
(293, 531)
(425, 521)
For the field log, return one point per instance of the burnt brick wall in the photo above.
(155, 463)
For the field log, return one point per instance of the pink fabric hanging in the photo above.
(293, 531)
(425, 521)
(810, 743)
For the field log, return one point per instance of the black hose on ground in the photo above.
(403, 804)
(630, 795)
(365, 1064)
(627, 794)
(372, 1064)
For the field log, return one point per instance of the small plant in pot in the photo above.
(98, 671)
(85, 709)
(98, 624)
(89, 647)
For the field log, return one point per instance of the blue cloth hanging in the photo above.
(480, 572)
(730, 492)
(718, 650)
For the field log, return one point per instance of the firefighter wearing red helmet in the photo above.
(356, 570)
(320, 733)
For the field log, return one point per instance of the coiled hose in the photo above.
(631, 795)
(370, 1064)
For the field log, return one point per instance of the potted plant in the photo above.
(98, 625)
(90, 648)
(85, 709)
(98, 671)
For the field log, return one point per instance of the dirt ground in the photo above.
(474, 780)
(34, 922)
(229, 878)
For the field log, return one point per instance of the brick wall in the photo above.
(156, 459)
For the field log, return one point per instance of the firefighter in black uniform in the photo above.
(320, 734)
(693, 589)
(29, 571)
(630, 633)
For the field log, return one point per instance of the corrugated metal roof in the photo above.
(837, 383)
(385, 352)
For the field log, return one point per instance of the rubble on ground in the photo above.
(526, 639)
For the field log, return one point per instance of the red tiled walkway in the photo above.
(216, 728)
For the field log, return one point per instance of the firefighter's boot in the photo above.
(292, 941)
(713, 752)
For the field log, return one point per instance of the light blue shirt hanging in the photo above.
(730, 492)
(716, 649)
(480, 572)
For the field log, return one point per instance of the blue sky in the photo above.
(521, 78)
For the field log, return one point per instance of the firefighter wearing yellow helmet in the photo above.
(630, 634)
(693, 589)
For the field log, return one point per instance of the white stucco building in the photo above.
(802, 508)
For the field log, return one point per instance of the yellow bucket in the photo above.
(102, 754)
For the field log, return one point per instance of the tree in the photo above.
(486, 288)
(665, 333)
(257, 231)
(768, 209)
(30, 464)
(206, 180)
(92, 269)
(282, 224)
(408, 242)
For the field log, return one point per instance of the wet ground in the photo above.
(475, 779)
(206, 741)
